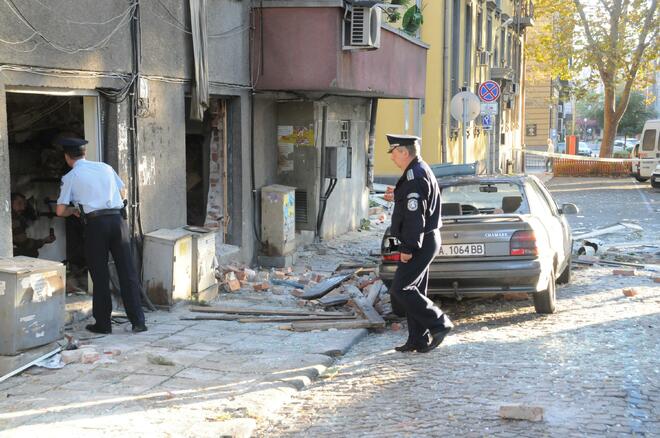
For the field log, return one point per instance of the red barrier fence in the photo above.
(568, 167)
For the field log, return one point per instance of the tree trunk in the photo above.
(610, 123)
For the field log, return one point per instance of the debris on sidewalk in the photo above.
(269, 311)
(621, 227)
(157, 359)
(630, 292)
(624, 272)
(522, 412)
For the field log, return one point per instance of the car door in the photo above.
(567, 240)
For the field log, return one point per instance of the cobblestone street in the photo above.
(592, 366)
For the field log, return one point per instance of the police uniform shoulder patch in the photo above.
(412, 204)
(413, 195)
(410, 175)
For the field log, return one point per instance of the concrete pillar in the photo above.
(6, 249)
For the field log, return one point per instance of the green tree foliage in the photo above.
(637, 112)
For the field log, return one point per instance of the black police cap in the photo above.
(401, 140)
(71, 145)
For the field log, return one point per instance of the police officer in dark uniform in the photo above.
(96, 189)
(416, 223)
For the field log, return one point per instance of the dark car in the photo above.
(499, 234)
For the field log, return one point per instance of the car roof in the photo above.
(448, 181)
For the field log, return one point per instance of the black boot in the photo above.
(96, 329)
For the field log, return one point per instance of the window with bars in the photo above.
(345, 140)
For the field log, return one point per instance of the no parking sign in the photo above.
(489, 91)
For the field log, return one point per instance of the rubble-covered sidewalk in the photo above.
(211, 372)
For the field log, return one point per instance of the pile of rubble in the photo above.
(348, 297)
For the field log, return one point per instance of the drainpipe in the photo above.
(324, 121)
(446, 95)
(372, 142)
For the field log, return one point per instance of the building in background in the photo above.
(470, 42)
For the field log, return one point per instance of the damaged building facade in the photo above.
(198, 105)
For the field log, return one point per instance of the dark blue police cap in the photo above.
(401, 140)
(71, 145)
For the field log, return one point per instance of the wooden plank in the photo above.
(295, 318)
(307, 326)
(269, 311)
(334, 300)
(323, 288)
(211, 318)
(374, 292)
(363, 304)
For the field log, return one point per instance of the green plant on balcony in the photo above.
(393, 14)
(412, 20)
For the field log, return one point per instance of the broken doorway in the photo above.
(207, 169)
(34, 119)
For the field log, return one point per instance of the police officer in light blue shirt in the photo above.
(95, 189)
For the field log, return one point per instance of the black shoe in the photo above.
(138, 328)
(96, 329)
(437, 336)
(408, 346)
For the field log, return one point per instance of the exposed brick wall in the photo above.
(215, 204)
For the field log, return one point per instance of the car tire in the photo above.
(565, 276)
(641, 178)
(544, 301)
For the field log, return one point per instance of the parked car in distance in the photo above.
(583, 149)
(655, 177)
(501, 233)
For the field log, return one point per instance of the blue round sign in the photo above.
(489, 91)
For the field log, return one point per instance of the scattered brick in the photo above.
(89, 356)
(656, 279)
(521, 412)
(233, 285)
(395, 326)
(516, 296)
(624, 272)
(71, 356)
(630, 292)
(260, 286)
(297, 292)
(241, 276)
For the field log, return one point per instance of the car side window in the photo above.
(548, 198)
(538, 205)
(648, 142)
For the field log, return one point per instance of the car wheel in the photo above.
(565, 276)
(641, 178)
(544, 301)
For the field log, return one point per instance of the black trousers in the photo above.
(105, 234)
(409, 289)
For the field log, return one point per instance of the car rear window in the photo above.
(648, 142)
(483, 198)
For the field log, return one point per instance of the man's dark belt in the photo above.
(103, 212)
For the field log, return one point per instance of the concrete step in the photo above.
(78, 308)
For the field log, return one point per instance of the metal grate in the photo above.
(301, 207)
(358, 28)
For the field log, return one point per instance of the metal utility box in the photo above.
(32, 303)
(336, 162)
(167, 262)
(203, 258)
(278, 220)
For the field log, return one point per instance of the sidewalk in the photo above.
(185, 378)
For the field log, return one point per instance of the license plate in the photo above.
(468, 249)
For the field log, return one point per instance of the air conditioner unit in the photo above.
(364, 28)
(484, 58)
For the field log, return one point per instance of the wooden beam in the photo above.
(269, 311)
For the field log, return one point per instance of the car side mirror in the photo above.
(569, 209)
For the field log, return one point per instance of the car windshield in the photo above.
(483, 198)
